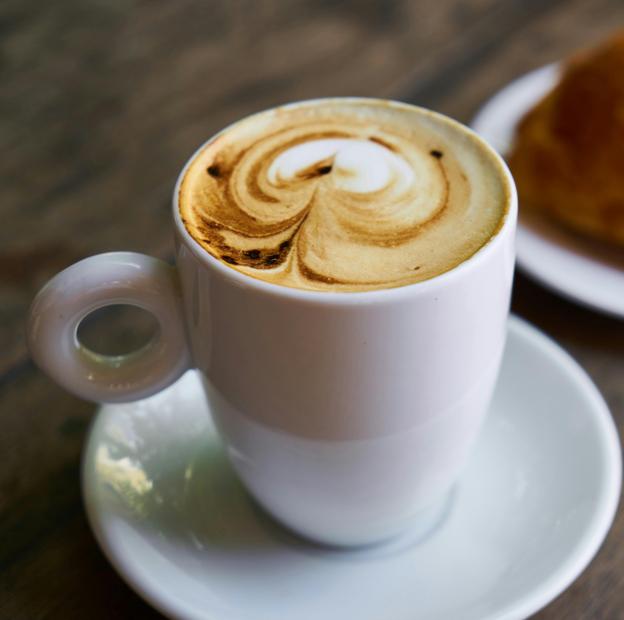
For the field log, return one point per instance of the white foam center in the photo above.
(358, 166)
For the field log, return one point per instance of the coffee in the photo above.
(348, 416)
(344, 195)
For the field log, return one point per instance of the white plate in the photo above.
(528, 515)
(581, 270)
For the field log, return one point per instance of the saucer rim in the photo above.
(586, 548)
(607, 504)
(489, 108)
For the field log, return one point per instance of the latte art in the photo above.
(358, 166)
(343, 195)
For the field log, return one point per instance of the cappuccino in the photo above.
(344, 195)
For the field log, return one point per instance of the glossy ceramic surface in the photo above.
(582, 270)
(348, 416)
(528, 514)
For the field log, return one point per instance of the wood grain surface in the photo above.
(102, 102)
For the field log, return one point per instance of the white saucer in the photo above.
(581, 270)
(527, 517)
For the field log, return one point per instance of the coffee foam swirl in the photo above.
(343, 195)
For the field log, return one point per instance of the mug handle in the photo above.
(95, 282)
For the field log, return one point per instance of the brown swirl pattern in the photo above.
(342, 195)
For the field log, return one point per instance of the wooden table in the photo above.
(102, 102)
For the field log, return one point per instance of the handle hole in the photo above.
(117, 329)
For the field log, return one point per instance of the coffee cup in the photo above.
(347, 414)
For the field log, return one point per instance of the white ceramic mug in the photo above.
(348, 416)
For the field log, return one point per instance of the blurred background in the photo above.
(102, 103)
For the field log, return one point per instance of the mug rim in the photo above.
(353, 297)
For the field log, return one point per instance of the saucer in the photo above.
(529, 513)
(582, 270)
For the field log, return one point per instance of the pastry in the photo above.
(568, 155)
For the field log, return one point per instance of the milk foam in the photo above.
(358, 166)
(344, 194)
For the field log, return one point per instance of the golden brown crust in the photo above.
(568, 156)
